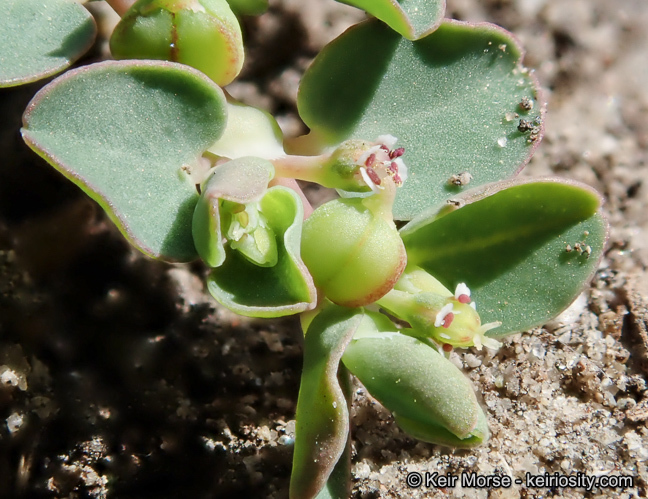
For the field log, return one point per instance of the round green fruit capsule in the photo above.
(204, 34)
(354, 256)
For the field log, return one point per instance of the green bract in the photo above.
(203, 34)
(322, 413)
(428, 395)
(249, 132)
(39, 38)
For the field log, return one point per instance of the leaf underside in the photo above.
(125, 132)
(450, 99)
(511, 250)
(39, 38)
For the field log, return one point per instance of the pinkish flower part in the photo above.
(440, 318)
(381, 160)
(462, 293)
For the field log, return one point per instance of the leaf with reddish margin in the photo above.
(39, 38)
(509, 244)
(450, 98)
(125, 132)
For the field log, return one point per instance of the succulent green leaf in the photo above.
(241, 181)
(322, 420)
(127, 133)
(411, 18)
(39, 38)
(449, 98)
(248, 7)
(509, 244)
(429, 396)
(250, 132)
(203, 34)
(283, 289)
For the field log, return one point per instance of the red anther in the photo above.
(393, 167)
(370, 160)
(463, 299)
(447, 320)
(397, 180)
(447, 347)
(384, 148)
(397, 153)
(373, 176)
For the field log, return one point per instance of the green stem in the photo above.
(308, 168)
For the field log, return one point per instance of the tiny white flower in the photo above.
(367, 180)
(462, 289)
(365, 156)
(387, 140)
(440, 317)
(402, 169)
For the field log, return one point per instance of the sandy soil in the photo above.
(120, 377)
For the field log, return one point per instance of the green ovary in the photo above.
(354, 256)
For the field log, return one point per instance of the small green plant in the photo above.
(420, 123)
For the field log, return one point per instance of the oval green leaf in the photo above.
(411, 18)
(511, 248)
(39, 38)
(127, 133)
(283, 289)
(447, 98)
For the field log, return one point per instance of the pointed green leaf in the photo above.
(283, 289)
(126, 132)
(450, 99)
(411, 18)
(510, 247)
(39, 38)
(322, 421)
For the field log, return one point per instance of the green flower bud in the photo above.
(204, 34)
(434, 311)
(353, 252)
